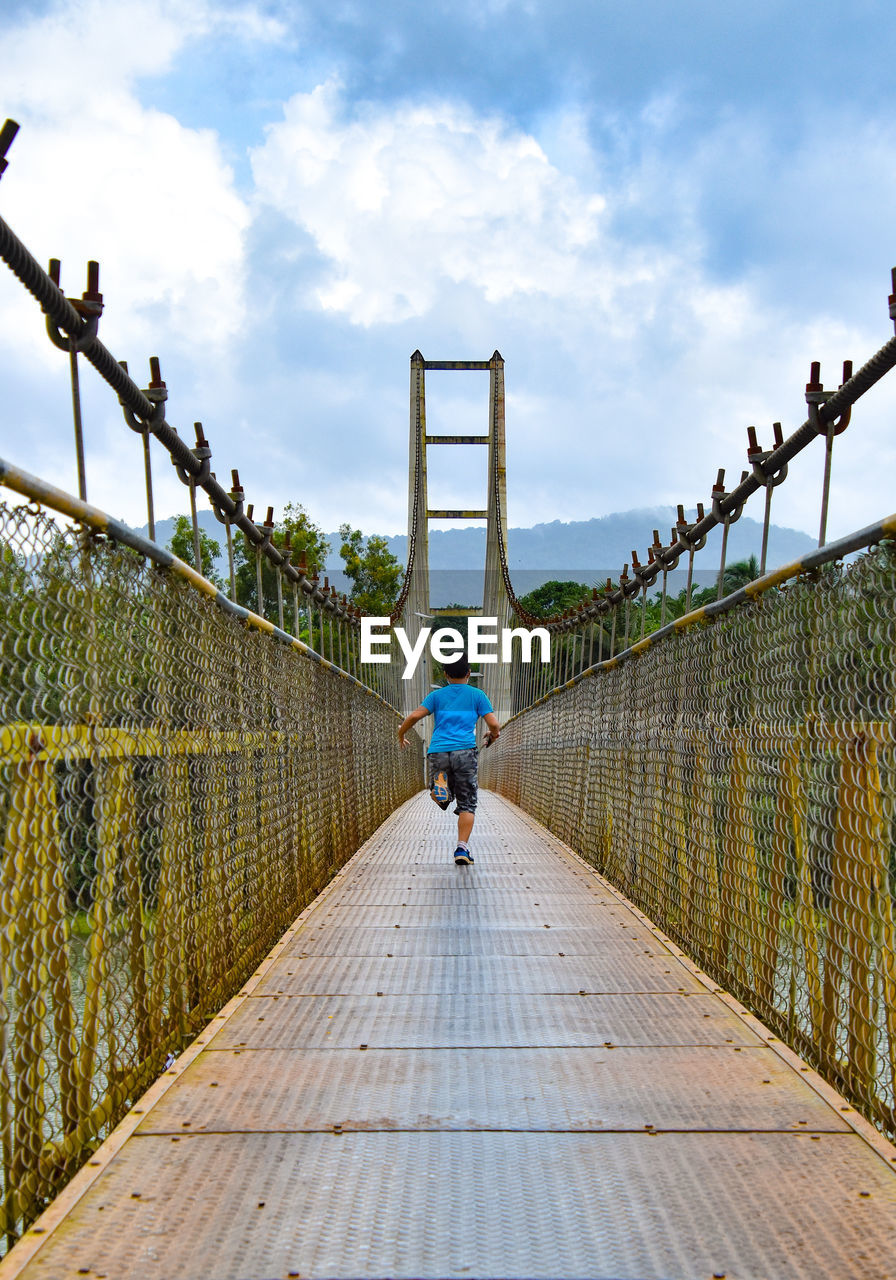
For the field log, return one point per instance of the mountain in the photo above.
(587, 551)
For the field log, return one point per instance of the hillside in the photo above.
(587, 551)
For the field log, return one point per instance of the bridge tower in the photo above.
(417, 614)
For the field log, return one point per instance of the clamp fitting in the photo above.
(817, 396)
(202, 453)
(718, 497)
(89, 307)
(683, 529)
(757, 458)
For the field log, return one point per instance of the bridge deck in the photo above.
(498, 1070)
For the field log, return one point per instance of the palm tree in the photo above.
(739, 574)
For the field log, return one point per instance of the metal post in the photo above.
(765, 524)
(76, 413)
(826, 483)
(150, 507)
(197, 547)
(721, 582)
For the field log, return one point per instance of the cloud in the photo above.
(404, 201)
(96, 174)
(629, 355)
(587, 244)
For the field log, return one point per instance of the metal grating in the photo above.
(471, 1120)
(464, 1019)
(627, 1206)
(616, 969)
(511, 1089)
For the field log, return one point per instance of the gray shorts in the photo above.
(460, 768)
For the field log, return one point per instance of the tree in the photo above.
(555, 597)
(305, 537)
(739, 574)
(374, 571)
(183, 547)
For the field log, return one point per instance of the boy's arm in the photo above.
(408, 722)
(494, 729)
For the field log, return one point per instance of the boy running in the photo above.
(453, 757)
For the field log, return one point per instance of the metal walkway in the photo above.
(498, 1070)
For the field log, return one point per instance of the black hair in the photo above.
(457, 669)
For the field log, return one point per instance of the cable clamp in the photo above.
(89, 307)
(644, 574)
(757, 458)
(236, 497)
(202, 453)
(267, 530)
(66, 343)
(683, 530)
(718, 497)
(147, 424)
(816, 396)
(156, 393)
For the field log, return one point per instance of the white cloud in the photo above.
(650, 368)
(633, 369)
(95, 174)
(405, 201)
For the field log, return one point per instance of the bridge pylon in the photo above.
(495, 604)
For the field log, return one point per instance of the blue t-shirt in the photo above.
(456, 708)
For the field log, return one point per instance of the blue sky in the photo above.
(659, 213)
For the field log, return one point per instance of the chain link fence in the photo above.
(737, 781)
(175, 786)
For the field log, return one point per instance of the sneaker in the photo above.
(439, 790)
(462, 856)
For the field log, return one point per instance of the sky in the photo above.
(659, 213)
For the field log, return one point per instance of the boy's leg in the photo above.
(465, 784)
(465, 826)
(439, 778)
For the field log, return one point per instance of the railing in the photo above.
(735, 776)
(178, 778)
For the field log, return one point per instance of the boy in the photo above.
(453, 756)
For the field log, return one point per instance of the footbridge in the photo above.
(253, 1020)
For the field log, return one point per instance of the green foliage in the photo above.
(305, 537)
(739, 574)
(555, 597)
(373, 570)
(182, 546)
(736, 575)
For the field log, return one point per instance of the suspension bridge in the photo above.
(254, 1021)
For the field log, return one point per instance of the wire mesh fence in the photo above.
(737, 781)
(175, 786)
